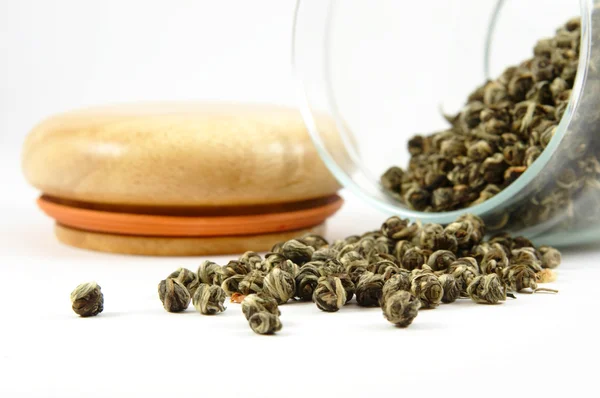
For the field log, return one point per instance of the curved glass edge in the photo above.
(369, 190)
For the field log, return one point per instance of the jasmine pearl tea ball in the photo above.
(212, 274)
(231, 285)
(414, 258)
(307, 280)
(324, 254)
(297, 251)
(313, 240)
(264, 323)
(233, 267)
(348, 285)
(188, 278)
(251, 259)
(331, 267)
(398, 229)
(280, 285)
(288, 266)
(519, 277)
(464, 270)
(209, 299)
(401, 308)
(330, 294)
(272, 260)
(398, 282)
(427, 288)
(259, 302)
(487, 289)
(369, 289)
(494, 261)
(451, 288)
(87, 299)
(551, 257)
(174, 295)
(252, 283)
(440, 260)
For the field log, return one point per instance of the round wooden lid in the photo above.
(177, 154)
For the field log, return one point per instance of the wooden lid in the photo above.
(177, 154)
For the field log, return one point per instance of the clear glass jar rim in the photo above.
(494, 202)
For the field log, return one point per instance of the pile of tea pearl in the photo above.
(402, 267)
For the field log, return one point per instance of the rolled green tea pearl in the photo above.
(478, 251)
(520, 242)
(331, 267)
(259, 302)
(233, 267)
(440, 260)
(188, 278)
(348, 255)
(329, 294)
(384, 256)
(398, 282)
(369, 289)
(307, 280)
(427, 236)
(288, 266)
(478, 227)
(368, 246)
(450, 287)
(464, 270)
(463, 232)
(392, 179)
(264, 323)
(87, 299)
(427, 288)
(401, 308)
(356, 271)
(498, 245)
(381, 266)
(277, 247)
(337, 245)
(397, 228)
(251, 259)
(313, 240)
(401, 248)
(272, 260)
(487, 289)
(414, 258)
(324, 254)
(209, 299)
(252, 283)
(211, 273)
(494, 261)
(173, 295)
(551, 257)
(390, 271)
(527, 255)
(297, 251)
(280, 285)
(349, 286)
(231, 285)
(519, 277)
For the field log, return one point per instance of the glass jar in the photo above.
(385, 71)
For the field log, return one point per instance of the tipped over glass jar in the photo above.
(491, 109)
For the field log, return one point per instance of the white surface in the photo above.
(239, 50)
(135, 348)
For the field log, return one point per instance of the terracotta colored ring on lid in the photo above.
(165, 225)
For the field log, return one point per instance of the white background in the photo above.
(63, 54)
